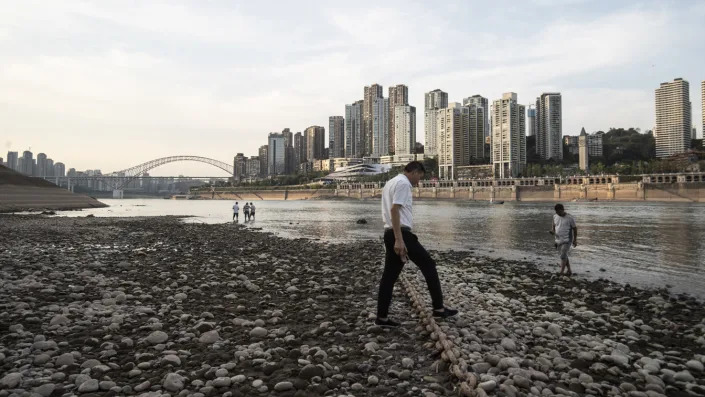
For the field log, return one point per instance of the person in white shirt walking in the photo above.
(566, 234)
(236, 211)
(401, 245)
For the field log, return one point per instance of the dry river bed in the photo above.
(154, 306)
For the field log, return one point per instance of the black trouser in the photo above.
(393, 266)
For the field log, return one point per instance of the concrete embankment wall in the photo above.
(260, 195)
(683, 192)
(20, 198)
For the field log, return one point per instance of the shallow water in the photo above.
(649, 244)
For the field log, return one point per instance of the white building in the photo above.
(480, 101)
(452, 126)
(508, 136)
(673, 118)
(549, 126)
(434, 100)
(405, 129)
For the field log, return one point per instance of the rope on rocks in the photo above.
(457, 366)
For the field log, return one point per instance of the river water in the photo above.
(646, 244)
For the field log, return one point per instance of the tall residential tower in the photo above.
(398, 96)
(673, 118)
(434, 100)
(508, 136)
(549, 126)
(336, 136)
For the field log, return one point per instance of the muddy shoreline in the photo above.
(130, 306)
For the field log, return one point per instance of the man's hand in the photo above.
(575, 243)
(400, 249)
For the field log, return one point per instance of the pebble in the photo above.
(209, 337)
(11, 380)
(88, 386)
(157, 337)
(283, 386)
(173, 382)
(258, 332)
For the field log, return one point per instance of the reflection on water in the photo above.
(652, 244)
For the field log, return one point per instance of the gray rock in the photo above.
(372, 380)
(684, 376)
(106, 385)
(488, 385)
(309, 371)
(522, 381)
(209, 337)
(407, 362)
(143, 386)
(173, 382)
(283, 386)
(694, 365)
(65, 359)
(509, 344)
(258, 332)
(157, 337)
(555, 330)
(171, 359)
(90, 363)
(481, 368)
(88, 386)
(59, 319)
(44, 390)
(41, 359)
(222, 382)
(221, 372)
(238, 378)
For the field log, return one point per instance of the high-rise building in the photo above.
(12, 158)
(370, 93)
(264, 160)
(433, 101)
(239, 167)
(59, 169)
(583, 151)
(299, 149)
(336, 136)
(480, 101)
(549, 126)
(354, 122)
(694, 133)
(27, 163)
(49, 167)
(508, 136)
(477, 125)
(452, 125)
(702, 89)
(252, 165)
(41, 170)
(398, 96)
(405, 129)
(531, 120)
(380, 127)
(315, 137)
(594, 144)
(276, 154)
(673, 118)
(2, 162)
(288, 137)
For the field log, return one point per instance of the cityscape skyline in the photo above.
(124, 85)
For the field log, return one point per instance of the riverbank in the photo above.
(21, 193)
(128, 306)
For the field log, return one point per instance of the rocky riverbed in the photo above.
(154, 306)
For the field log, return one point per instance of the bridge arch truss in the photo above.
(123, 177)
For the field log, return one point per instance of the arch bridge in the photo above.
(119, 179)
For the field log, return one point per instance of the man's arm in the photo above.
(399, 246)
(575, 236)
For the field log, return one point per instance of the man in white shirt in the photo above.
(236, 211)
(566, 233)
(401, 245)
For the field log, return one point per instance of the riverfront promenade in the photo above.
(154, 305)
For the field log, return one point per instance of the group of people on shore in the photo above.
(248, 211)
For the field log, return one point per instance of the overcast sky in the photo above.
(108, 85)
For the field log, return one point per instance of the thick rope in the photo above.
(457, 366)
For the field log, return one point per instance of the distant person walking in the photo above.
(246, 211)
(236, 211)
(401, 245)
(566, 233)
(252, 211)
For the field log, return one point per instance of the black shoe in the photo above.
(387, 323)
(445, 313)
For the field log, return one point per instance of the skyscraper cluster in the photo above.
(40, 167)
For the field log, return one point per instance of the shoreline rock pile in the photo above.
(154, 306)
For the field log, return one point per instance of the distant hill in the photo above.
(22, 193)
(12, 177)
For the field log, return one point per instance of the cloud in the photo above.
(150, 79)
